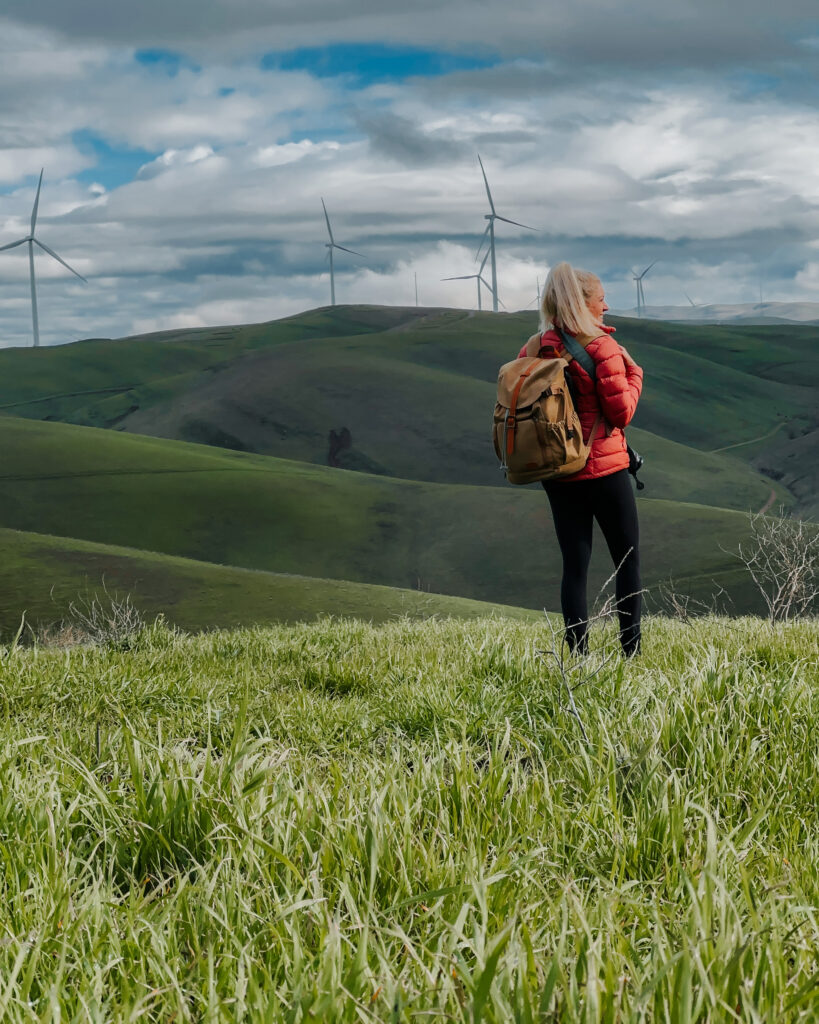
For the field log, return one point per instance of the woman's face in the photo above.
(597, 302)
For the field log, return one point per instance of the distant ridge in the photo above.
(751, 313)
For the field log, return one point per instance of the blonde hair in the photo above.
(565, 295)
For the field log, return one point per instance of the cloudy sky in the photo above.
(187, 145)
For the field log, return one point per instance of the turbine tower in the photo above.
(641, 297)
(330, 246)
(478, 278)
(32, 241)
(490, 231)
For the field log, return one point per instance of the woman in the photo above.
(574, 302)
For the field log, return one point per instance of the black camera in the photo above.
(635, 462)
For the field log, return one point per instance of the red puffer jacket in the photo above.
(614, 393)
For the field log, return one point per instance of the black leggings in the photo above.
(575, 506)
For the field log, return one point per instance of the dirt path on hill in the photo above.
(71, 394)
(768, 503)
(753, 440)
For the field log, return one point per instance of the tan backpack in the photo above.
(536, 429)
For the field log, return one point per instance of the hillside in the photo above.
(231, 508)
(412, 388)
(413, 498)
(43, 576)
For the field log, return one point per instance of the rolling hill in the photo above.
(259, 512)
(96, 450)
(412, 388)
(44, 575)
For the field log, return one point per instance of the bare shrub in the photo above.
(678, 604)
(782, 556)
(100, 618)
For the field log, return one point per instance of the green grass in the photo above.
(43, 576)
(338, 822)
(484, 543)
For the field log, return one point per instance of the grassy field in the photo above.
(255, 512)
(43, 576)
(339, 822)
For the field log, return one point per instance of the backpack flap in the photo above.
(523, 381)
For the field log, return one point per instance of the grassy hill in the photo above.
(413, 387)
(232, 508)
(425, 507)
(783, 352)
(44, 575)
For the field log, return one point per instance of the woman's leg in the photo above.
(616, 511)
(573, 521)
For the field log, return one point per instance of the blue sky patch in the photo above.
(370, 62)
(113, 165)
(750, 84)
(166, 62)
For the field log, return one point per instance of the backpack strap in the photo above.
(578, 353)
(576, 350)
(593, 431)
(533, 345)
(509, 428)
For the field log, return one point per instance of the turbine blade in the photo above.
(59, 259)
(36, 202)
(462, 277)
(329, 229)
(483, 264)
(12, 245)
(488, 193)
(483, 239)
(647, 269)
(361, 254)
(518, 224)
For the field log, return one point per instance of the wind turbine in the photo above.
(32, 241)
(536, 299)
(478, 278)
(490, 231)
(641, 298)
(330, 246)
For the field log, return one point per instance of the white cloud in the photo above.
(225, 222)
(290, 152)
